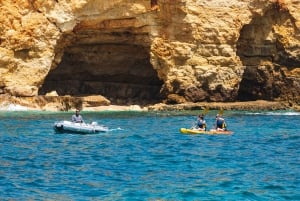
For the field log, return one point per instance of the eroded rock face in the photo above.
(270, 53)
(27, 44)
(145, 51)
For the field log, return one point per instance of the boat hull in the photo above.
(78, 128)
(210, 132)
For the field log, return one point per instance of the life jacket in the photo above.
(201, 124)
(221, 123)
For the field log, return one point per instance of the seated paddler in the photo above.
(77, 118)
(201, 123)
(220, 123)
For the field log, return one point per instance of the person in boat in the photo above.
(220, 123)
(201, 123)
(77, 118)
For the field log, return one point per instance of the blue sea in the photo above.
(145, 157)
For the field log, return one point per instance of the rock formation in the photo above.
(150, 51)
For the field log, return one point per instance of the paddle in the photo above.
(221, 111)
(205, 111)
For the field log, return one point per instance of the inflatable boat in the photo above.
(80, 128)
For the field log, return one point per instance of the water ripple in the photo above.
(144, 157)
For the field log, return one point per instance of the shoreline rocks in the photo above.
(67, 103)
(247, 105)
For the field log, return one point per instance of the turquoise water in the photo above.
(144, 157)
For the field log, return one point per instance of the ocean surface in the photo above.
(145, 157)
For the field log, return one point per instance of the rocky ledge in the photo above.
(258, 105)
(99, 103)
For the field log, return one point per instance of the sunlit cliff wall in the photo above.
(143, 51)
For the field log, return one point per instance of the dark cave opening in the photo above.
(262, 53)
(121, 72)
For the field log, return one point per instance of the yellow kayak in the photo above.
(210, 132)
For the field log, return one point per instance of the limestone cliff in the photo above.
(147, 51)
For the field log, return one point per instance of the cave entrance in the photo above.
(120, 71)
(261, 52)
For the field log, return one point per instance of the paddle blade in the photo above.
(205, 111)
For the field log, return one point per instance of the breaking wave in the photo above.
(280, 113)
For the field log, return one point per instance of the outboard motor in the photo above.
(94, 123)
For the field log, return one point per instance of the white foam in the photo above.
(115, 129)
(284, 113)
(13, 107)
(290, 113)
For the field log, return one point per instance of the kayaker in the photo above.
(201, 123)
(220, 123)
(77, 118)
